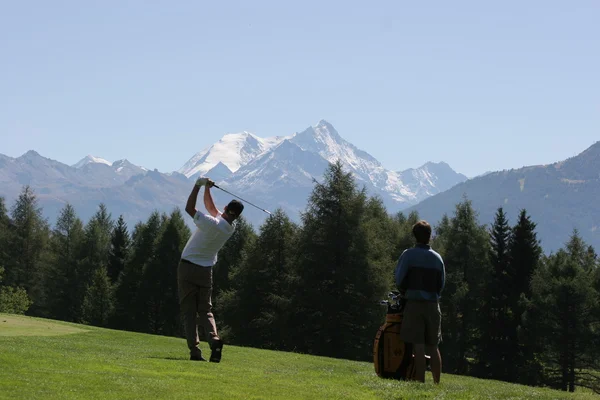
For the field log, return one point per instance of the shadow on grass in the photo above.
(171, 358)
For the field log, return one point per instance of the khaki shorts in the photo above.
(422, 323)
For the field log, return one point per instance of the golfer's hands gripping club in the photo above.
(202, 181)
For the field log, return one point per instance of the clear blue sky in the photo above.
(481, 85)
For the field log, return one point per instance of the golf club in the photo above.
(246, 201)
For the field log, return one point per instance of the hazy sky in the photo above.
(481, 85)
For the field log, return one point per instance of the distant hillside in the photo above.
(559, 197)
(273, 173)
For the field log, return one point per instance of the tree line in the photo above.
(510, 312)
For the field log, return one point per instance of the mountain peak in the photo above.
(89, 159)
(323, 123)
(228, 137)
(233, 150)
(31, 154)
(324, 127)
(120, 163)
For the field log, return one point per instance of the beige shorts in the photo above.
(422, 323)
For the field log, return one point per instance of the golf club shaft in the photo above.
(246, 201)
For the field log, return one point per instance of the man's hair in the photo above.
(422, 232)
(236, 207)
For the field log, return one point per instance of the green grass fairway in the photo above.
(80, 362)
(17, 325)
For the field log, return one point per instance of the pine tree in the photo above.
(401, 234)
(28, 243)
(98, 300)
(467, 270)
(439, 239)
(525, 252)
(143, 248)
(62, 283)
(383, 244)
(256, 309)
(495, 312)
(563, 314)
(95, 250)
(119, 249)
(157, 295)
(337, 301)
(5, 227)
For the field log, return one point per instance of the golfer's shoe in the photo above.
(196, 355)
(216, 349)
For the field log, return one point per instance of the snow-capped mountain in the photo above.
(125, 168)
(233, 151)
(283, 172)
(429, 179)
(89, 159)
(324, 140)
(275, 172)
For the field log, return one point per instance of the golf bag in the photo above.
(392, 357)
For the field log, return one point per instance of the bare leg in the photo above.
(419, 351)
(436, 363)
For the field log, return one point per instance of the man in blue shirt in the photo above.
(421, 275)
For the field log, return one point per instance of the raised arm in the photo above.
(190, 206)
(208, 201)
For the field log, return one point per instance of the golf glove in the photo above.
(201, 181)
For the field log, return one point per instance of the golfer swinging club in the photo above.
(194, 273)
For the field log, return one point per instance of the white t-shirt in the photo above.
(204, 244)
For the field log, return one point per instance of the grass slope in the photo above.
(43, 359)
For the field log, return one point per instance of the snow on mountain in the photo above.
(285, 163)
(327, 142)
(90, 159)
(279, 178)
(219, 172)
(233, 150)
(127, 169)
(274, 172)
(324, 140)
(430, 178)
(257, 165)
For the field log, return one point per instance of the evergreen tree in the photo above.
(98, 300)
(493, 350)
(157, 295)
(563, 313)
(467, 270)
(119, 250)
(525, 252)
(439, 239)
(337, 304)
(383, 246)
(256, 309)
(5, 231)
(402, 234)
(27, 245)
(143, 248)
(62, 282)
(94, 252)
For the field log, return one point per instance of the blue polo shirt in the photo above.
(421, 272)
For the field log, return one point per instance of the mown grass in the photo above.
(43, 359)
